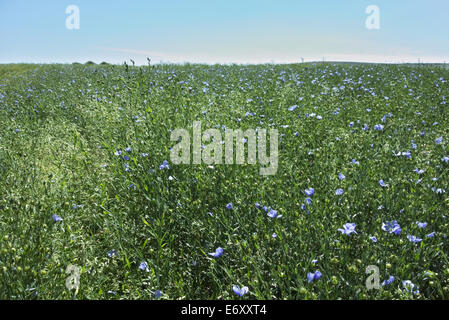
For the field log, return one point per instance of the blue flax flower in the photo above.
(314, 276)
(422, 225)
(56, 218)
(240, 291)
(144, 266)
(272, 213)
(392, 227)
(379, 127)
(112, 253)
(309, 192)
(218, 252)
(410, 287)
(164, 165)
(414, 239)
(388, 281)
(348, 228)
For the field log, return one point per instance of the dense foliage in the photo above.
(362, 148)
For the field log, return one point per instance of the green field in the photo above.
(85, 143)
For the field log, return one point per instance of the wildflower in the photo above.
(439, 140)
(56, 218)
(274, 235)
(355, 162)
(373, 239)
(445, 159)
(309, 201)
(382, 183)
(218, 252)
(240, 291)
(292, 108)
(144, 266)
(273, 213)
(128, 149)
(348, 228)
(379, 127)
(164, 165)
(431, 235)
(407, 154)
(422, 225)
(314, 276)
(388, 281)
(410, 287)
(309, 192)
(112, 253)
(157, 294)
(229, 206)
(392, 227)
(341, 176)
(414, 239)
(118, 152)
(339, 192)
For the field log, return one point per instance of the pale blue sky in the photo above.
(225, 31)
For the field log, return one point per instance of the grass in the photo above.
(61, 126)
